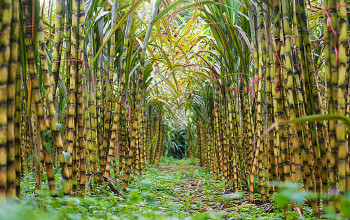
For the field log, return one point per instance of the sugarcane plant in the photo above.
(95, 90)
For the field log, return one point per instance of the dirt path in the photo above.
(196, 191)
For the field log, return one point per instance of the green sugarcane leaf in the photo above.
(48, 25)
(166, 10)
(66, 155)
(120, 22)
(45, 132)
(48, 147)
(313, 118)
(57, 170)
(49, 139)
(29, 158)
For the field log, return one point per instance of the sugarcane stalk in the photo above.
(5, 44)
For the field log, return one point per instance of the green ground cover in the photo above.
(176, 189)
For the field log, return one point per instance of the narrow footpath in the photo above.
(183, 189)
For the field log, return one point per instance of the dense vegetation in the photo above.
(93, 92)
(175, 189)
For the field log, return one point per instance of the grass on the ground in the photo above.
(177, 189)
